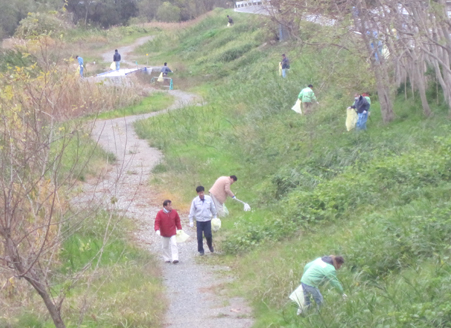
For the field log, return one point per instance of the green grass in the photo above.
(125, 289)
(380, 198)
(155, 102)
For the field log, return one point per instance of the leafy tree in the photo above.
(167, 12)
(148, 8)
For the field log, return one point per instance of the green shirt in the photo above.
(318, 272)
(307, 95)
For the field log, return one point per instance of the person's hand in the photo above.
(158, 232)
(191, 224)
(344, 297)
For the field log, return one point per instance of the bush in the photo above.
(168, 12)
(39, 23)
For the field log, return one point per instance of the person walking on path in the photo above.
(80, 63)
(307, 96)
(230, 23)
(220, 190)
(362, 107)
(167, 222)
(117, 59)
(165, 69)
(318, 272)
(203, 209)
(285, 64)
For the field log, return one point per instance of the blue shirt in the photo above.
(80, 61)
(202, 210)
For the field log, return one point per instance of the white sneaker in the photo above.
(299, 312)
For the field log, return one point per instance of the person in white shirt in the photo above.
(203, 209)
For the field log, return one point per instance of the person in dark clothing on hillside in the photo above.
(230, 20)
(285, 65)
(165, 69)
(362, 106)
(117, 59)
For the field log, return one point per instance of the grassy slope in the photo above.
(154, 103)
(380, 198)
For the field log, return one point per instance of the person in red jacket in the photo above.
(167, 222)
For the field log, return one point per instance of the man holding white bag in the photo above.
(203, 209)
(167, 222)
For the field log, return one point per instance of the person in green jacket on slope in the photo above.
(307, 96)
(318, 272)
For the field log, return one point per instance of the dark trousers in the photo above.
(206, 228)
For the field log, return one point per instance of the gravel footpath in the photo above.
(126, 50)
(196, 292)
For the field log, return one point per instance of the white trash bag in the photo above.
(297, 107)
(298, 296)
(181, 236)
(216, 224)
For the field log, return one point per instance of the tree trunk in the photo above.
(34, 279)
(422, 88)
(383, 90)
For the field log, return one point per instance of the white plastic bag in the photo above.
(298, 296)
(181, 236)
(225, 210)
(160, 78)
(216, 224)
(297, 107)
(113, 66)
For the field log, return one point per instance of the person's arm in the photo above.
(301, 94)
(332, 277)
(227, 190)
(177, 221)
(192, 211)
(157, 222)
(314, 97)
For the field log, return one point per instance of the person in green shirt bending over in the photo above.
(318, 272)
(307, 96)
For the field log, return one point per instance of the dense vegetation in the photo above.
(48, 14)
(380, 197)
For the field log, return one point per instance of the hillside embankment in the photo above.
(378, 197)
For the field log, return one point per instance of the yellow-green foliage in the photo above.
(39, 23)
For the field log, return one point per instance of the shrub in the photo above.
(39, 23)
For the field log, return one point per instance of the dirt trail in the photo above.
(125, 51)
(196, 292)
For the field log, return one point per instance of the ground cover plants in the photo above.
(380, 198)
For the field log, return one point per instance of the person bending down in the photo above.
(316, 273)
(220, 190)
